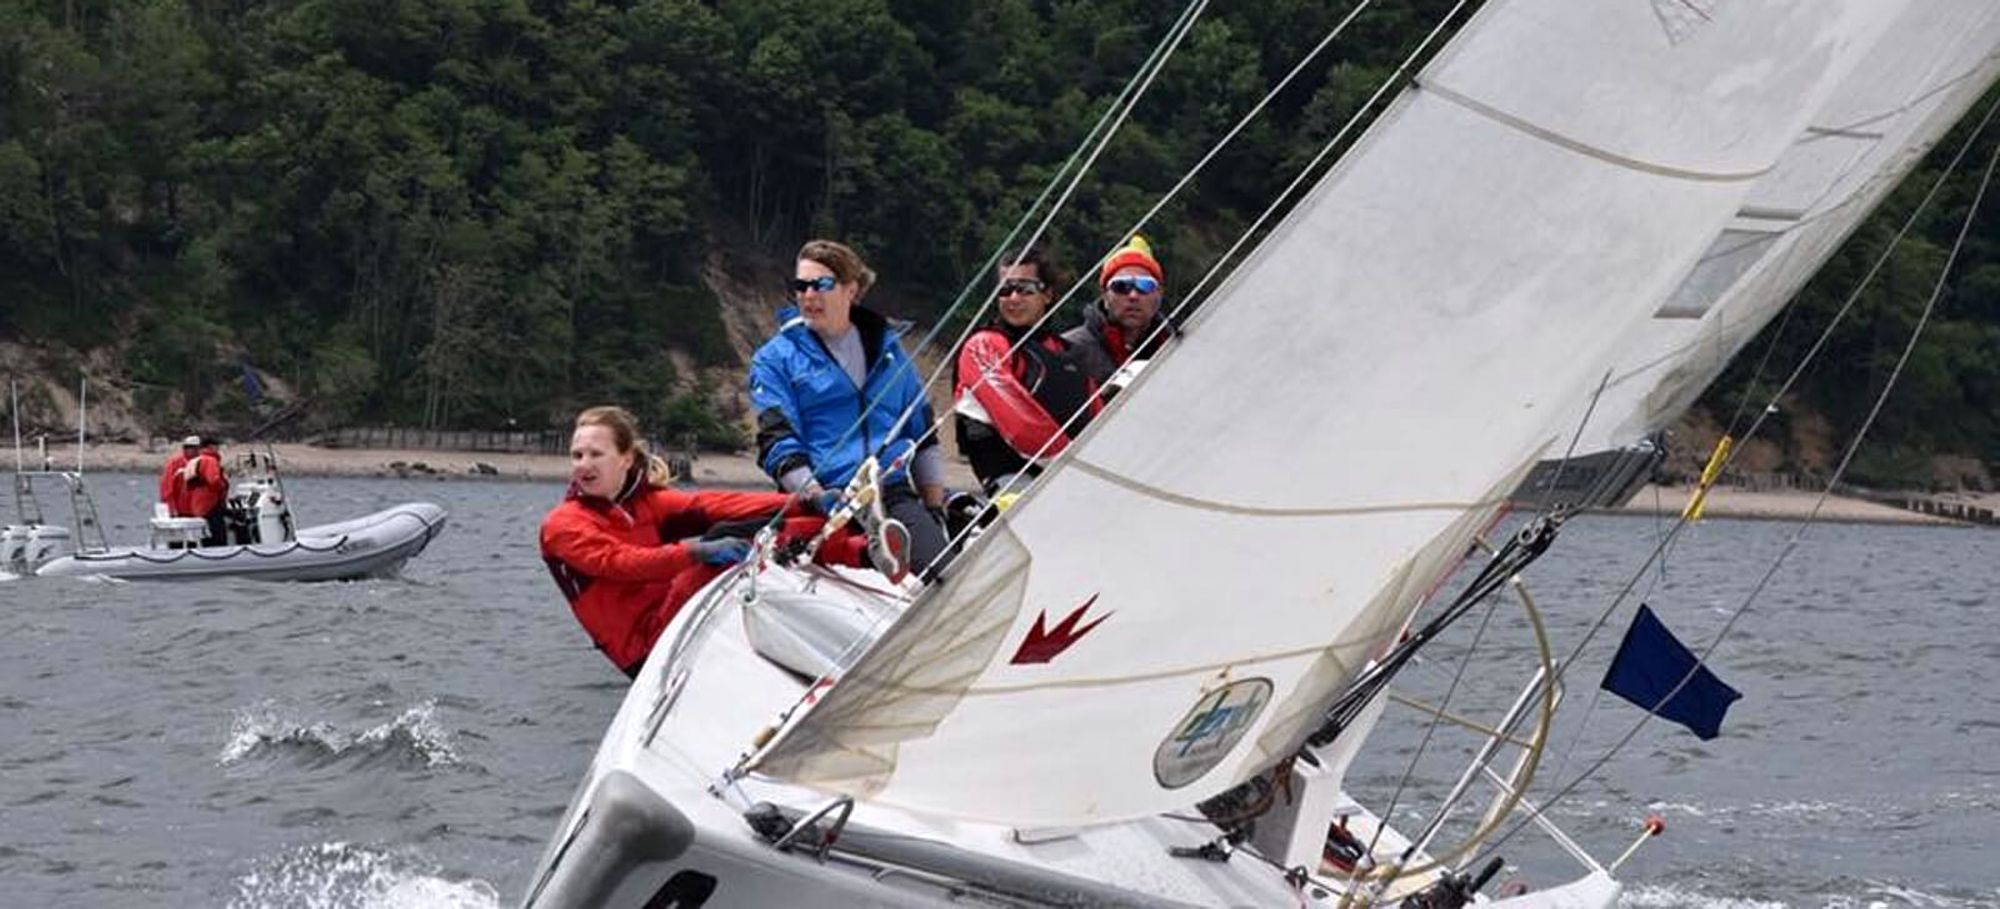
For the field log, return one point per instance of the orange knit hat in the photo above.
(1137, 252)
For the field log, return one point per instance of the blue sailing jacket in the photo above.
(807, 406)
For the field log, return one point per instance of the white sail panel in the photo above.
(1259, 513)
(1936, 60)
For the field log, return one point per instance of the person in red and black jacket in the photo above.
(628, 551)
(1022, 392)
(1125, 325)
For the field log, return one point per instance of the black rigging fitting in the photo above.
(1521, 550)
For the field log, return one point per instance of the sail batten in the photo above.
(1266, 506)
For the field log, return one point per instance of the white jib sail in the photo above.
(1167, 612)
(1932, 64)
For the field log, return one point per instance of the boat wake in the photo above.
(413, 738)
(340, 875)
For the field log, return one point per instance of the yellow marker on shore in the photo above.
(1709, 474)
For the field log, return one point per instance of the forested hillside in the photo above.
(461, 213)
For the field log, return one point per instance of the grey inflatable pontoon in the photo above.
(370, 546)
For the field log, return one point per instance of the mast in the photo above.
(14, 392)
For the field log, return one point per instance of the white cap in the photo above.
(191, 442)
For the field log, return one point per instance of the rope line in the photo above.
(1021, 481)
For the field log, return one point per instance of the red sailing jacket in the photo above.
(1026, 397)
(209, 487)
(193, 498)
(171, 487)
(625, 572)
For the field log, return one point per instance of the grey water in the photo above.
(413, 741)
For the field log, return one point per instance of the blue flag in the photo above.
(1651, 664)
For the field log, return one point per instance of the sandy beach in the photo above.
(1790, 505)
(739, 471)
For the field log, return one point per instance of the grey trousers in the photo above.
(928, 553)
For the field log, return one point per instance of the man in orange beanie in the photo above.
(1124, 324)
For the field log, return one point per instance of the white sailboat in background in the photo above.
(1172, 609)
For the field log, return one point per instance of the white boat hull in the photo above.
(371, 546)
(654, 818)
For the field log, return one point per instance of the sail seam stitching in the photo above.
(1204, 669)
(1266, 511)
(1921, 97)
(1554, 138)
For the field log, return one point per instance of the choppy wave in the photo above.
(414, 737)
(1866, 895)
(1877, 895)
(338, 875)
(1654, 896)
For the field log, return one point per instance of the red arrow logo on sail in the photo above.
(1043, 643)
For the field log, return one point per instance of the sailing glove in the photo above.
(820, 499)
(719, 552)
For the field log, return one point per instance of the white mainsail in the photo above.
(1935, 60)
(1167, 612)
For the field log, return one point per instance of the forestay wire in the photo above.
(1144, 81)
(1087, 151)
(1116, 115)
(1308, 171)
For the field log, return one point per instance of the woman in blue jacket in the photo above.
(831, 388)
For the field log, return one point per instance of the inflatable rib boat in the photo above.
(370, 546)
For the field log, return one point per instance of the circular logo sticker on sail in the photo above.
(1208, 732)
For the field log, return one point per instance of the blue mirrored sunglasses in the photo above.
(823, 284)
(1133, 284)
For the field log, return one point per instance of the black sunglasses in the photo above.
(824, 284)
(1132, 284)
(1025, 287)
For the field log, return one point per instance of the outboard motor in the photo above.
(274, 517)
(45, 543)
(258, 510)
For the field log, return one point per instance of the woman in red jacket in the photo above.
(628, 550)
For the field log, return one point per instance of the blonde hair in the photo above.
(843, 261)
(625, 434)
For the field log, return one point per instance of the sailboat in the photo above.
(1185, 621)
